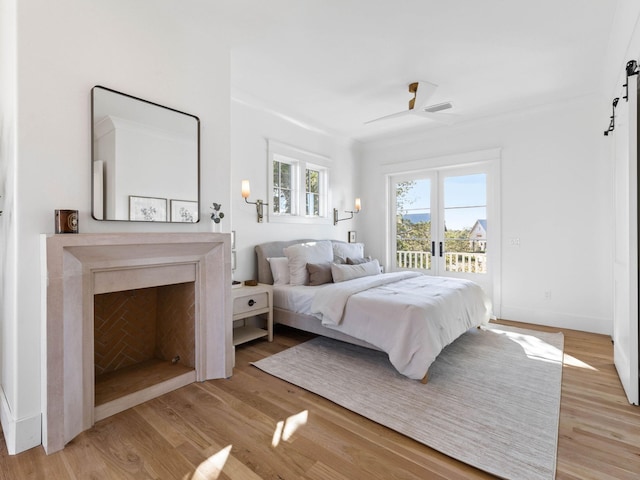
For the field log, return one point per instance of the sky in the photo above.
(464, 199)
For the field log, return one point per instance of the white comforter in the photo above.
(410, 316)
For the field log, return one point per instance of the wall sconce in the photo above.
(357, 209)
(246, 191)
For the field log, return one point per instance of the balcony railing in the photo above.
(454, 261)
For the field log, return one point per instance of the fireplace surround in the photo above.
(78, 267)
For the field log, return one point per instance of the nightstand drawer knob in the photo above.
(251, 302)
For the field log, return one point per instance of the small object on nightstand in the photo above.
(236, 284)
(251, 283)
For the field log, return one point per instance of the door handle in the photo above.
(440, 248)
(433, 249)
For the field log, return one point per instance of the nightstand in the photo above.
(249, 302)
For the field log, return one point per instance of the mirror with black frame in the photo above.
(145, 160)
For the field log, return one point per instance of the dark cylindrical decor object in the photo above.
(66, 221)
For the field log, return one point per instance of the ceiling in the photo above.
(334, 64)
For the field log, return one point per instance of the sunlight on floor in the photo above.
(285, 429)
(533, 347)
(538, 349)
(574, 362)
(211, 468)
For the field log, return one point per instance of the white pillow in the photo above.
(348, 250)
(342, 273)
(301, 254)
(279, 270)
(357, 261)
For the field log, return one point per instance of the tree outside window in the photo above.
(282, 187)
(312, 192)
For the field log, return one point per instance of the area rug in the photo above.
(492, 400)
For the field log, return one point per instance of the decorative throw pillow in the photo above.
(301, 254)
(345, 250)
(319, 273)
(358, 261)
(342, 273)
(279, 270)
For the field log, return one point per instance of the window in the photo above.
(282, 186)
(299, 183)
(312, 192)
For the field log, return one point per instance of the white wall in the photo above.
(8, 166)
(63, 49)
(251, 127)
(556, 198)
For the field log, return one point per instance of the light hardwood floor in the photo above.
(187, 433)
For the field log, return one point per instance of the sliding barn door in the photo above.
(625, 314)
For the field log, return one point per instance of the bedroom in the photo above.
(555, 177)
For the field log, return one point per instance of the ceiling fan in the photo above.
(419, 105)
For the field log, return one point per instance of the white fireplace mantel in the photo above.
(76, 266)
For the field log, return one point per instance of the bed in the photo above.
(328, 287)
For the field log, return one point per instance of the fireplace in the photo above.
(130, 317)
(142, 338)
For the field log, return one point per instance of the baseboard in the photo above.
(19, 435)
(557, 319)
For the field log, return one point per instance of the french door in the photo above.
(440, 223)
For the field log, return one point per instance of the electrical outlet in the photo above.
(514, 241)
(547, 294)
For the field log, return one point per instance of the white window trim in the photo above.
(302, 160)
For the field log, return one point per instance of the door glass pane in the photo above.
(413, 224)
(465, 223)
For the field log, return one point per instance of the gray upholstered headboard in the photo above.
(274, 249)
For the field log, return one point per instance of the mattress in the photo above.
(410, 316)
(295, 298)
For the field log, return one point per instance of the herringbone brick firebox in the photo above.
(142, 337)
(134, 326)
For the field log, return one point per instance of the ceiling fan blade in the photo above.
(393, 115)
(424, 92)
(419, 105)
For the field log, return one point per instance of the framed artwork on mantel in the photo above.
(184, 211)
(147, 209)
